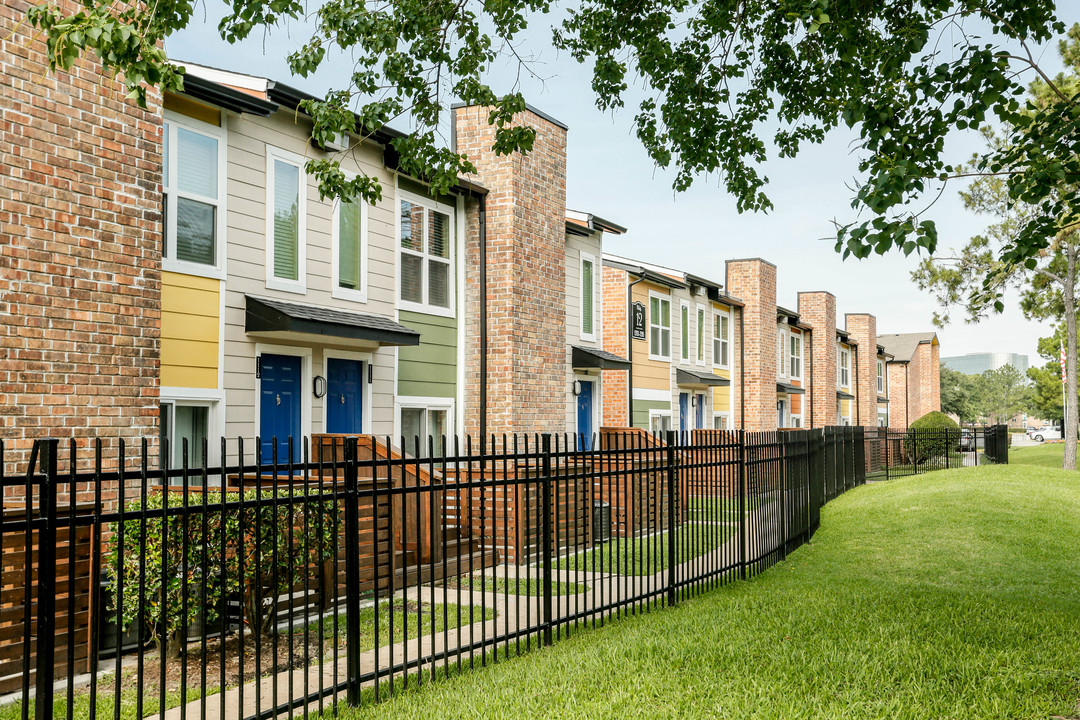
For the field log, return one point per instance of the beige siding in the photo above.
(575, 245)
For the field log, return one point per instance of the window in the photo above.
(425, 423)
(796, 356)
(720, 340)
(720, 421)
(796, 421)
(659, 421)
(286, 221)
(701, 334)
(588, 297)
(180, 422)
(350, 251)
(426, 238)
(659, 327)
(844, 368)
(685, 330)
(194, 183)
(781, 352)
(881, 377)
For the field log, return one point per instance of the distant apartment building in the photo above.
(978, 363)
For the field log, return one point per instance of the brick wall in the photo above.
(899, 412)
(615, 326)
(754, 282)
(819, 310)
(925, 380)
(80, 250)
(863, 329)
(526, 257)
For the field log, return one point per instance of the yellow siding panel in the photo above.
(651, 374)
(190, 328)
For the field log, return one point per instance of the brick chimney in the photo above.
(819, 310)
(526, 277)
(863, 330)
(754, 282)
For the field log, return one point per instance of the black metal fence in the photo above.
(351, 570)
(892, 453)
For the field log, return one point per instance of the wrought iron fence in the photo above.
(892, 453)
(351, 570)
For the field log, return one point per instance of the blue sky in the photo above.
(609, 174)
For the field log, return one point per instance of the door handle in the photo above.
(279, 398)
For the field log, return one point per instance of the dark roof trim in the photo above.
(644, 274)
(789, 313)
(290, 97)
(573, 228)
(607, 225)
(530, 108)
(691, 377)
(587, 357)
(265, 315)
(788, 388)
(841, 395)
(226, 97)
(882, 400)
(698, 280)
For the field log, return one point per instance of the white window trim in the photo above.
(299, 285)
(365, 412)
(171, 263)
(305, 354)
(663, 298)
(842, 382)
(591, 337)
(792, 418)
(215, 425)
(723, 341)
(782, 350)
(726, 416)
(451, 280)
(336, 291)
(425, 403)
(660, 413)
(684, 305)
(881, 377)
(799, 357)
(701, 316)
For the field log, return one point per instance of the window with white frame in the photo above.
(781, 352)
(795, 421)
(721, 340)
(350, 251)
(193, 178)
(426, 231)
(425, 423)
(184, 429)
(844, 368)
(588, 297)
(659, 327)
(684, 313)
(881, 377)
(795, 361)
(659, 421)
(701, 334)
(720, 421)
(286, 221)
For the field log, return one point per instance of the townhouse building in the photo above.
(914, 375)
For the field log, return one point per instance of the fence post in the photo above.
(545, 514)
(46, 581)
(780, 436)
(742, 504)
(352, 572)
(672, 482)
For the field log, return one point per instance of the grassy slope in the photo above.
(946, 595)
(1047, 455)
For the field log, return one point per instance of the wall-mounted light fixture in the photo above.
(318, 386)
(577, 388)
(693, 401)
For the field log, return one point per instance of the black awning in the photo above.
(789, 389)
(882, 400)
(692, 377)
(841, 395)
(280, 317)
(587, 357)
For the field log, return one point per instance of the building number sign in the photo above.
(637, 321)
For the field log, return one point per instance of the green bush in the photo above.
(931, 436)
(165, 584)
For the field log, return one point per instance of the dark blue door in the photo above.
(700, 411)
(684, 411)
(279, 406)
(585, 416)
(344, 396)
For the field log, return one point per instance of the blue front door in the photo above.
(279, 406)
(585, 415)
(344, 396)
(700, 411)
(684, 411)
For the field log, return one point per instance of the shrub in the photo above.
(931, 436)
(192, 559)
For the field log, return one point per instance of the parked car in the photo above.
(967, 440)
(1046, 432)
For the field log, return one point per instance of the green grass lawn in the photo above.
(648, 555)
(945, 595)
(1047, 455)
(719, 509)
(511, 585)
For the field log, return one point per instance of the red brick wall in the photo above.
(819, 310)
(899, 412)
(80, 249)
(526, 267)
(925, 380)
(615, 326)
(754, 282)
(863, 329)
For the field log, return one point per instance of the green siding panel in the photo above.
(430, 368)
(642, 408)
